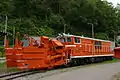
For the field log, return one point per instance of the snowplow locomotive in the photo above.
(45, 53)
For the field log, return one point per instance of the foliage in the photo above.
(1, 51)
(49, 17)
(102, 36)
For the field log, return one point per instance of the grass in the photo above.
(2, 65)
(112, 61)
(1, 46)
(2, 51)
(4, 69)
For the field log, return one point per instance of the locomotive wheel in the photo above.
(92, 60)
(82, 62)
(74, 62)
(50, 67)
(67, 64)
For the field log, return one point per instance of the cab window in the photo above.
(65, 39)
(62, 39)
(68, 39)
(77, 39)
(25, 42)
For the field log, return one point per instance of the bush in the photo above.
(1, 51)
(1, 42)
(101, 36)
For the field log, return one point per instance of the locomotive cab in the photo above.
(72, 45)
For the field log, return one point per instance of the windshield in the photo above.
(65, 39)
(36, 40)
(25, 42)
(62, 39)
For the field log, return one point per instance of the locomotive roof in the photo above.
(87, 38)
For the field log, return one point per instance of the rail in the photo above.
(14, 75)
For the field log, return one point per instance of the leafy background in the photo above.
(49, 17)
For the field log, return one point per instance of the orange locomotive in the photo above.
(43, 52)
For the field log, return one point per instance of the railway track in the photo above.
(14, 75)
(24, 74)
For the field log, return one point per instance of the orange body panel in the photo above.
(88, 47)
(10, 57)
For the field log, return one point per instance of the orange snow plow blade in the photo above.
(35, 53)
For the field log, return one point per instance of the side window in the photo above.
(62, 39)
(77, 39)
(25, 42)
(98, 45)
(68, 39)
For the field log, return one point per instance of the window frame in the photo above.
(98, 44)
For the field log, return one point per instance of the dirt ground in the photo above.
(99, 72)
(116, 76)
